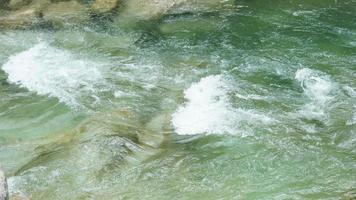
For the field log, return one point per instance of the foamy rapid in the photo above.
(54, 72)
(318, 88)
(208, 110)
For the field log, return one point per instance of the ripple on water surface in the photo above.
(257, 104)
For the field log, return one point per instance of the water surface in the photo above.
(253, 102)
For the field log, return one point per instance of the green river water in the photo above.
(257, 101)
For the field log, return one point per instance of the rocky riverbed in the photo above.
(20, 14)
(178, 99)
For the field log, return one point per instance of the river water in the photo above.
(257, 101)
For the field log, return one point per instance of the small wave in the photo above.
(54, 72)
(318, 88)
(303, 13)
(208, 110)
(350, 91)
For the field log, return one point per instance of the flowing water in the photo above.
(257, 101)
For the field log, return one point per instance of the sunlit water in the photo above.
(254, 102)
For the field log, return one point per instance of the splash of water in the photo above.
(46, 70)
(208, 110)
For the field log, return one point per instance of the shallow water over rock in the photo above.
(249, 100)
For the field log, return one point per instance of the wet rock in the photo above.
(65, 13)
(20, 18)
(39, 5)
(24, 17)
(103, 6)
(17, 4)
(146, 9)
(150, 9)
(4, 194)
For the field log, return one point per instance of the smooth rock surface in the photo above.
(66, 13)
(150, 9)
(103, 6)
(16, 4)
(20, 18)
(24, 17)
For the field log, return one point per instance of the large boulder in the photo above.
(104, 6)
(4, 194)
(66, 13)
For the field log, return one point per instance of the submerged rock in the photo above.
(150, 9)
(103, 6)
(65, 13)
(146, 9)
(17, 4)
(108, 139)
(89, 154)
(4, 195)
(157, 131)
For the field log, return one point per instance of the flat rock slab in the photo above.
(102, 6)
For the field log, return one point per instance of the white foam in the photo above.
(302, 13)
(208, 110)
(54, 72)
(315, 86)
(318, 88)
(249, 96)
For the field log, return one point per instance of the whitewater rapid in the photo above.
(47, 70)
(319, 89)
(208, 110)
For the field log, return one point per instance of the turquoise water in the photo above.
(257, 101)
